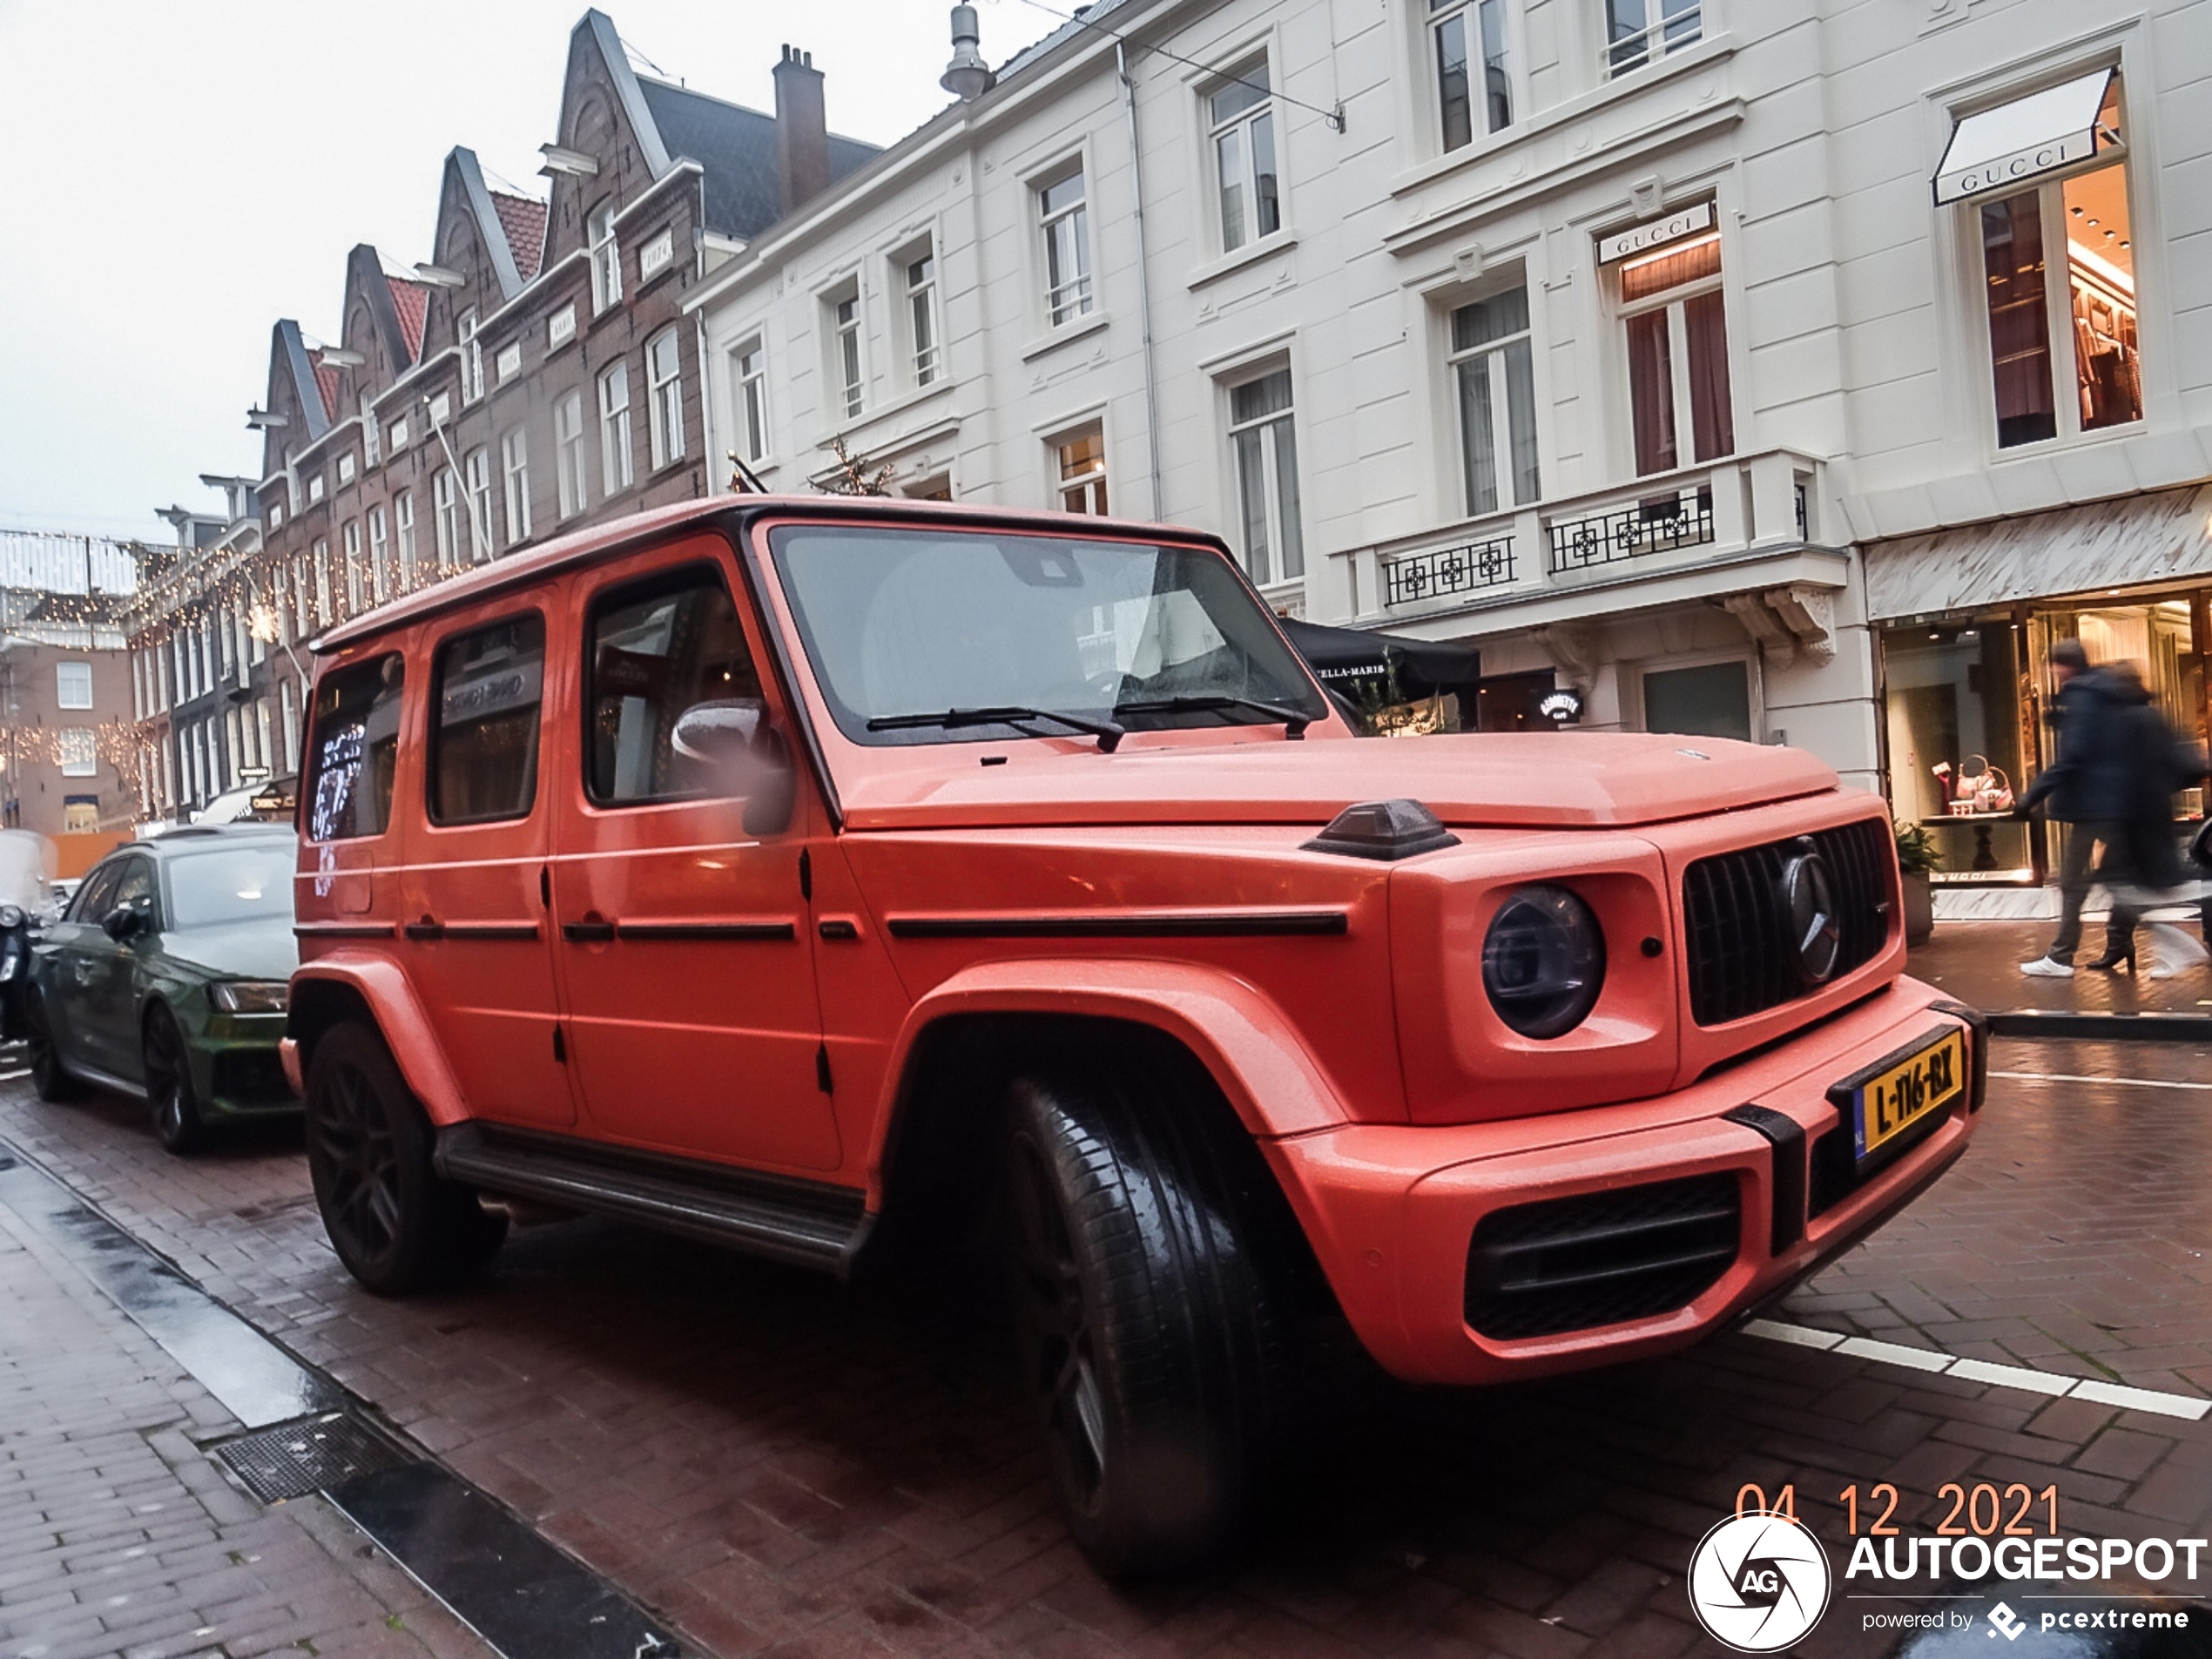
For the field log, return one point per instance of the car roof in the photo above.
(189, 838)
(622, 534)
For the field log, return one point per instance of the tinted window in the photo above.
(483, 748)
(135, 889)
(97, 896)
(354, 743)
(909, 621)
(231, 884)
(657, 650)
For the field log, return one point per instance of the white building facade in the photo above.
(1627, 339)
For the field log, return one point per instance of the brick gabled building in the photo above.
(534, 373)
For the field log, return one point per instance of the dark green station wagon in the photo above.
(166, 978)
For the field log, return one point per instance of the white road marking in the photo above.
(2076, 1077)
(2190, 1407)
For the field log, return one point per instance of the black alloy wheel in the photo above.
(176, 1121)
(48, 1075)
(398, 1226)
(1150, 1309)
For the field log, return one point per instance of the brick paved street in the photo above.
(782, 1465)
(120, 1535)
(1980, 962)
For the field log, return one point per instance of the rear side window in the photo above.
(658, 649)
(354, 741)
(483, 748)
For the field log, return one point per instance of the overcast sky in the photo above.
(181, 173)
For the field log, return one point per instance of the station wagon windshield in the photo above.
(233, 884)
(905, 625)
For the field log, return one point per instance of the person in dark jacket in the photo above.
(2142, 867)
(2086, 785)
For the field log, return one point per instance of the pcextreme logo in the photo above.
(1759, 1583)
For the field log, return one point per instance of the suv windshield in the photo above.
(907, 623)
(232, 884)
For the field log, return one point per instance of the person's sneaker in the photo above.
(2045, 968)
(2172, 951)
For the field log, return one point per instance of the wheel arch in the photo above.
(963, 1044)
(373, 992)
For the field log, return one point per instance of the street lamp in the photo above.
(968, 77)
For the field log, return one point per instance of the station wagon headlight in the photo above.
(1543, 962)
(251, 995)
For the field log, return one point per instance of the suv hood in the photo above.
(1474, 779)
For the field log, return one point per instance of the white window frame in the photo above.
(315, 486)
(372, 438)
(1064, 231)
(560, 327)
(657, 255)
(1284, 527)
(289, 699)
(1242, 126)
(1483, 29)
(380, 554)
(472, 356)
(445, 518)
(1672, 300)
(350, 540)
(1669, 26)
(1090, 487)
(749, 397)
(507, 362)
(848, 361)
(397, 435)
(403, 537)
(1493, 359)
(346, 469)
(925, 333)
(476, 488)
(78, 748)
(604, 249)
(616, 451)
(325, 612)
(665, 397)
(568, 453)
(515, 477)
(69, 672)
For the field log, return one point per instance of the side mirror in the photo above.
(744, 756)
(121, 922)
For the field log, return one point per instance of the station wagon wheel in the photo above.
(48, 1075)
(169, 1087)
(1151, 1340)
(395, 1223)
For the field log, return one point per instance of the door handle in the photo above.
(592, 930)
(429, 927)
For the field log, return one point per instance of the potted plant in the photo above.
(1916, 856)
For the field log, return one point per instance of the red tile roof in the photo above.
(523, 219)
(412, 300)
(326, 383)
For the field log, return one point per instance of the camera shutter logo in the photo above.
(1759, 1583)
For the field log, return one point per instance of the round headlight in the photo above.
(1543, 962)
(10, 916)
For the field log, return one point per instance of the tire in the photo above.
(397, 1225)
(170, 1097)
(1150, 1324)
(48, 1075)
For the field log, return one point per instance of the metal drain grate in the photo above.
(295, 1459)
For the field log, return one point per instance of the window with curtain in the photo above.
(1241, 121)
(1493, 365)
(1675, 318)
(1263, 443)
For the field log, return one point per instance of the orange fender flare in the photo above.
(405, 1029)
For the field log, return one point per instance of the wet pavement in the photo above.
(779, 1465)
(1980, 962)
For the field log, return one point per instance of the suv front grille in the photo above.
(1741, 960)
(1534, 1270)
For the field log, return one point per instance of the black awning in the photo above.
(1359, 664)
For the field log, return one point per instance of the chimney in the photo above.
(802, 131)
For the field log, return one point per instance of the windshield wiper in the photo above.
(1294, 724)
(1108, 734)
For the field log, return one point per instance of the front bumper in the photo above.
(1392, 1210)
(236, 1068)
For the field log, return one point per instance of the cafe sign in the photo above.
(1656, 233)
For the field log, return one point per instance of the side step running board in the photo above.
(809, 1224)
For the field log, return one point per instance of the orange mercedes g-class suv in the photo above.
(819, 876)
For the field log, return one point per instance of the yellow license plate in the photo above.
(1891, 1101)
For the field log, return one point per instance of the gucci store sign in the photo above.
(1656, 232)
(2020, 141)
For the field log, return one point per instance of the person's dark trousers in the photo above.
(2076, 877)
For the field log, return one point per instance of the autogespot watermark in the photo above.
(1760, 1581)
